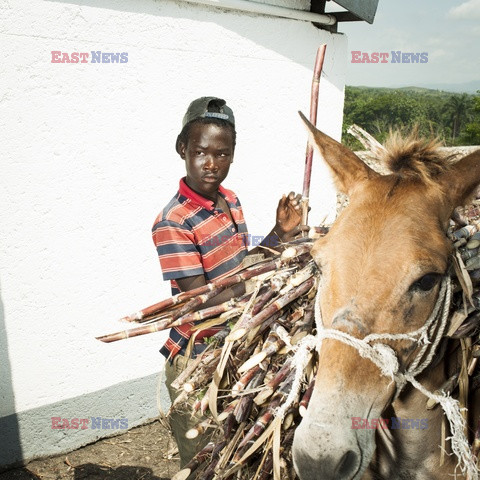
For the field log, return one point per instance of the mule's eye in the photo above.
(427, 282)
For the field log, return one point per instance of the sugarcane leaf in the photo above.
(217, 378)
(232, 445)
(463, 379)
(212, 322)
(257, 444)
(227, 348)
(463, 277)
(276, 448)
(264, 457)
(456, 321)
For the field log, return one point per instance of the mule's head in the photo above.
(381, 263)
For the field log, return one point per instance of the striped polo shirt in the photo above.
(193, 237)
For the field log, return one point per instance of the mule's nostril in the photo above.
(347, 466)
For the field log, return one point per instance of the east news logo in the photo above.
(89, 57)
(59, 423)
(384, 57)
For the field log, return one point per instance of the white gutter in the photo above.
(266, 9)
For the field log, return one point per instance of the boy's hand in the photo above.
(289, 216)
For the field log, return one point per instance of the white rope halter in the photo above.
(428, 337)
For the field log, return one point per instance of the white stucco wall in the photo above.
(88, 160)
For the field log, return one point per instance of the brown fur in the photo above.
(414, 157)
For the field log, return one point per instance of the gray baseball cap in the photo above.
(206, 107)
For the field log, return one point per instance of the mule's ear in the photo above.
(346, 167)
(461, 180)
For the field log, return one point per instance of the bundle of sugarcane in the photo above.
(186, 307)
(254, 372)
(250, 361)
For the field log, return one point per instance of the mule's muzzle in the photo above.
(329, 464)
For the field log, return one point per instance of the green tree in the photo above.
(472, 129)
(455, 118)
(458, 106)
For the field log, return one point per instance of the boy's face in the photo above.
(208, 155)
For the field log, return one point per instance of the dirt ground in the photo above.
(143, 453)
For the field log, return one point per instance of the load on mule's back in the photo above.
(385, 267)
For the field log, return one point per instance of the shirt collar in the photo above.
(186, 191)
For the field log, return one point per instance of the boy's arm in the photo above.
(287, 225)
(289, 216)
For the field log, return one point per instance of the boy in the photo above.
(201, 234)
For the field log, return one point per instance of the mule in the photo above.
(383, 263)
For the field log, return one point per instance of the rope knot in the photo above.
(387, 359)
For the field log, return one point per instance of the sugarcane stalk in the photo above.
(199, 429)
(261, 424)
(305, 324)
(240, 331)
(210, 312)
(317, 72)
(205, 357)
(257, 429)
(299, 277)
(204, 404)
(228, 424)
(368, 142)
(164, 314)
(472, 366)
(201, 376)
(296, 317)
(196, 406)
(163, 324)
(243, 352)
(229, 449)
(295, 251)
(282, 333)
(275, 284)
(272, 385)
(468, 326)
(259, 329)
(182, 398)
(302, 409)
(288, 439)
(267, 467)
(227, 411)
(195, 462)
(272, 345)
(476, 442)
(265, 298)
(209, 472)
(288, 420)
(244, 380)
(226, 282)
(244, 407)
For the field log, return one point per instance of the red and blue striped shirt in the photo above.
(193, 237)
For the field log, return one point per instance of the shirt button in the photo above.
(233, 229)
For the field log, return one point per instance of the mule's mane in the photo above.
(413, 157)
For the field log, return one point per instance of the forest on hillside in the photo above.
(453, 117)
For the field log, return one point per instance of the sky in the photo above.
(448, 30)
